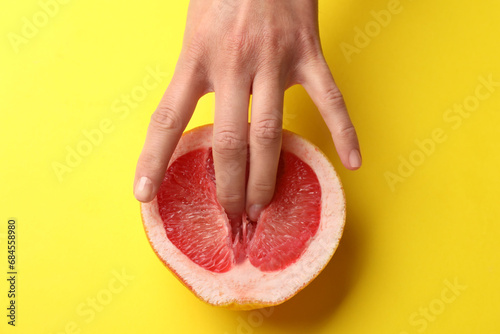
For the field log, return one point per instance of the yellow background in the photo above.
(403, 245)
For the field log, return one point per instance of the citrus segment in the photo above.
(193, 219)
(288, 223)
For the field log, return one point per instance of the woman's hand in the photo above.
(236, 48)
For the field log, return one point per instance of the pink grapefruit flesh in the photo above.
(237, 262)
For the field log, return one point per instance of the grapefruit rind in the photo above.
(244, 286)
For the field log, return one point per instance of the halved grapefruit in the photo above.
(243, 264)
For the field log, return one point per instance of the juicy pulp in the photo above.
(197, 225)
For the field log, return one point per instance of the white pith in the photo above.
(245, 284)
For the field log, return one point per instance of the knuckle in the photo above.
(306, 37)
(235, 43)
(165, 118)
(272, 56)
(197, 47)
(267, 131)
(238, 51)
(229, 143)
(230, 200)
(271, 38)
(332, 97)
(346, 132)
(308, 43)
(262, 187)
(194, 58)
(277, 47)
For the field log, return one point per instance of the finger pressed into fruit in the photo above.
(319, 84)
(230, 143)
(265, 143)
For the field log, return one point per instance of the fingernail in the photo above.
(355, 159)
(143, 189)
(254, 212)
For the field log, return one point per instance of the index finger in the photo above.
(165, 129)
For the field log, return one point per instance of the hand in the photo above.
(236, 48)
